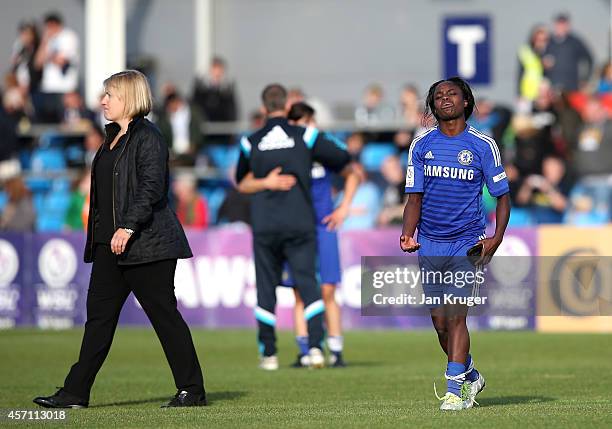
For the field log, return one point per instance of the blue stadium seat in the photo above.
(48, 159)
(39, 184)
(39, 200)
(25, 159)
(61, 184)
(374, 154)
(74, 154)
(520, 216)
(214, 198)
(46, 223)
(51, 208)
(3, 200)
(223, 156)
(51, 139)
(56, 202)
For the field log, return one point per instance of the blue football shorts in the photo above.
(446, 271)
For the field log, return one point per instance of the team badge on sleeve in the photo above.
(410, 177)
(465, 157)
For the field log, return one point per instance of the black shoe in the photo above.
(337, 361)
(186, 399)
(61, 399)
(301, 361)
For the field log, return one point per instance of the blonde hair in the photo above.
(132, 86)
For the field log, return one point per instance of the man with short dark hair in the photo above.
(283, 217)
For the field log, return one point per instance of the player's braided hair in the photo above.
(430, 109)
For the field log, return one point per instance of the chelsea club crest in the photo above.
(465, 157)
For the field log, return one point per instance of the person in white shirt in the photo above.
(58, 56)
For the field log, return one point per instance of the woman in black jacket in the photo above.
(134, 240)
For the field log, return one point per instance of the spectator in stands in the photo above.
(99, 119)
(366, 203)
(604, 85)
(19, 214)
(585, 210)
(22, 60)
(593, 151)
(181, 125)
(547, 194)
(568, 61)
(492, 120)
(531, 67)
(534, 137)
(76, 115)
(567, 125)
(94, 138)
(515, 181)
(374, 109)
(354, 144)
(411, 114)
(215, 94)
(393, 194)
(484, 119)
(191, 208)
(58, 57)
(411, 109)
(78, 209)
(402, 140)
(294, 95)
(14, 102)
(324, 113)
(256, 119)
(9, 164)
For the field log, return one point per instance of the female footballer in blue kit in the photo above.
(447, 167)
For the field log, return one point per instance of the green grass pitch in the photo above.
(533, 380)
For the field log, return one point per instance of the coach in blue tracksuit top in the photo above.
(283, 221)
(447, 168)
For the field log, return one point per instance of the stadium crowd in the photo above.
(555, 138)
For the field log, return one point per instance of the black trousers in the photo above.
(299, 250)
(153, 286)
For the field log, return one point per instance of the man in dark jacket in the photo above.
(283, 219)
(181, 125)
(215, 95)
(568, 62)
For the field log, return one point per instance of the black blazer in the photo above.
(140, 197)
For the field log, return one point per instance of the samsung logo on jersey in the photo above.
(449, 172)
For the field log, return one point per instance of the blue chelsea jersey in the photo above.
(450, 172)
(321, 192)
